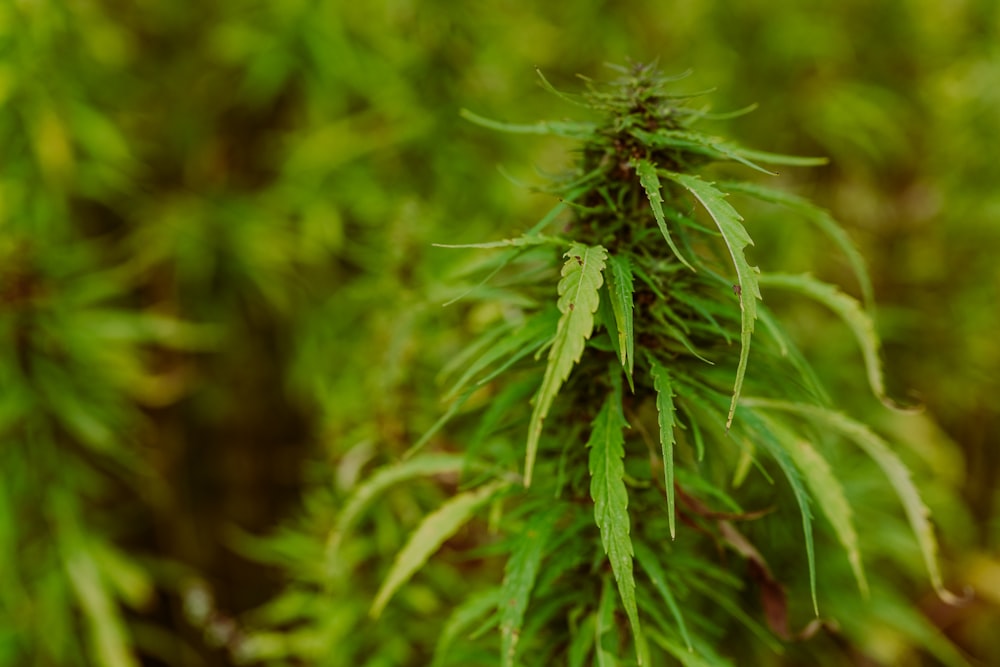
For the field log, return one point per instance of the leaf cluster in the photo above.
(651, 410)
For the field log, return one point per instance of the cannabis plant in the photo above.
(628, 424)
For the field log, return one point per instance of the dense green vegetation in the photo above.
(223, 338)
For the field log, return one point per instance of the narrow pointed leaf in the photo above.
(605, 628)
(651, 184)
(607, 488)
(851, 312)
(519, 242)
(582, 639)
(380, 481)
(829, 495)
(898, 474)
(736, 237)
(666, 411)
(647, 560)
(432, 532)
(519, 580)
(578, 301)
(826, 224)
(557, 128)
(774, 447)
(621, 289)
(701, 144)
(517, 344)
(779, 158)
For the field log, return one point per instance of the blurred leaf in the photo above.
(432, 532)
(850, 311)
(898, 474)
(519, 579)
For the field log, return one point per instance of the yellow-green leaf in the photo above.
(432, 532)
(578, 301)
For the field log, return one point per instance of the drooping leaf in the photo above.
(898, 474)
(523, 341)
(774, 447)
(108, 637)
(519, 580)
(383, 479)
(651, 184)
(621, 289)
(850, 312)
(432, 532)
(736, 237)
(829, 495)
(821, 219)
(578, 301)
(666, 410)
(607, 488)
(648, 561)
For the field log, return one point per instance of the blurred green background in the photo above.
(219, 302)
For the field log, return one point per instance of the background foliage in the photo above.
(220, 307)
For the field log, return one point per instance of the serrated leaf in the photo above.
(697, 143)
(607, 488)
(829, 495)
(621, 289)
(432, 532)
(736, 237)
(666, 410)
(519, 580)
(850, 311)
(651, 184)
(647, 560)
(821, 219)
(578, 301)
(886, 459)
(383, 479)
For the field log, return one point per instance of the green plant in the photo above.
(623, 433)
